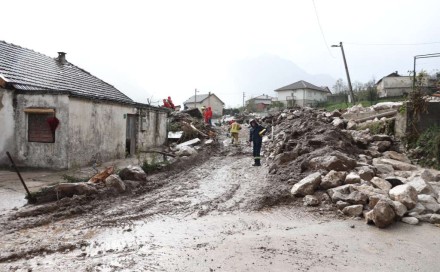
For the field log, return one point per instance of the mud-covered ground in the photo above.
(209, 213)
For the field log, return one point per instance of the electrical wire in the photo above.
(391, 44)
(322, 32)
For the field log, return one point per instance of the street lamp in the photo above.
(346, 70)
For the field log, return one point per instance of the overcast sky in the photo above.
(159, 48)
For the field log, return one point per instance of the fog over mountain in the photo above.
(266, 73)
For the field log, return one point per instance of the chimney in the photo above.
(62, 57)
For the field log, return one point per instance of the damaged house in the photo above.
(54, 114)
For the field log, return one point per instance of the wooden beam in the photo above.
(39, 110)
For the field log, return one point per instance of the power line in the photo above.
(322, 32)
(391, 44)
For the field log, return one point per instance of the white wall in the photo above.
(394, 86)
(35, 154)
(7, 139)
(302, 97)
(215, 104)
(97, 131)
(152, 132)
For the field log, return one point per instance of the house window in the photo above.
(39, 129)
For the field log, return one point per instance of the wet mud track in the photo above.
(208, 217)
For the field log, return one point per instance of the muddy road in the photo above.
(210, 216)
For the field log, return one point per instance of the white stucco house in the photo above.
(54, 114)
(207, 100)
(394, 85)
(302, 93)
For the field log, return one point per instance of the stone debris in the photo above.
(410, 220)
(310, 200)
(364, 174)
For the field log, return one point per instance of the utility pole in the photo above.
(243, 100)
(346, 70)
(195, 98)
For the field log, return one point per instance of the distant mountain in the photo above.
(266, 73)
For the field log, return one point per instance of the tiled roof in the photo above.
(300, 85)
(199, 98)
(27, 70)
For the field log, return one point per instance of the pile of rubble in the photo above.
(188, 132)
(313, 155)
(105, 182)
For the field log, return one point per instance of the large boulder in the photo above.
(429, 203)
(133, 173)
(384, 169)
(422, 187)
(307, 185)
(396, 156)
(397, 165)
(381, 183)
(382, 215)
(347, 193)
(405, 194)
(337, 161)
(353, 210)
(333, 179)
(114, 181)
(399, 208)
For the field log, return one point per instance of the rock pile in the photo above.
(313, 155)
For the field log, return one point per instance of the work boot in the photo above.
(256, 163)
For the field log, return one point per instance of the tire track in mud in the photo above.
(221, 183)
